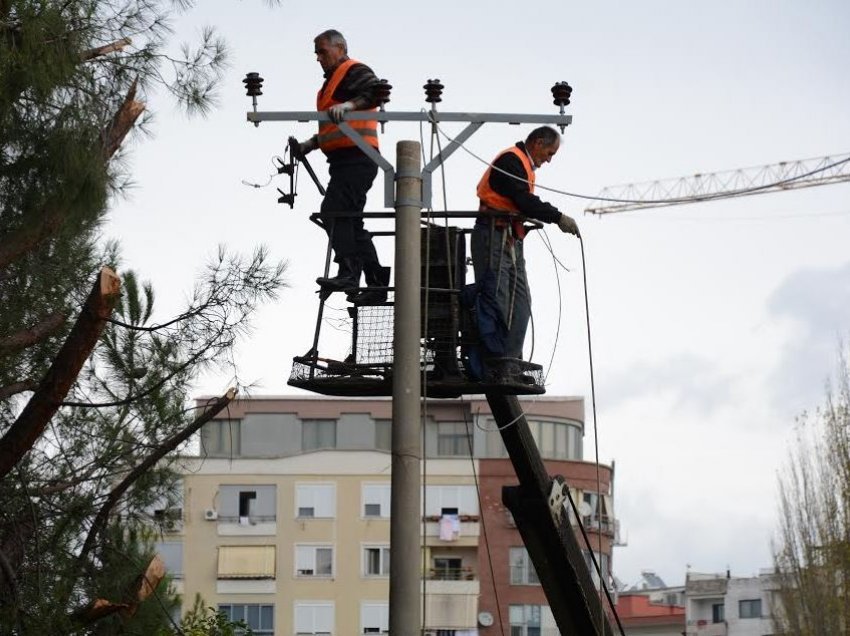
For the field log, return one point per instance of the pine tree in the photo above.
(92, 391)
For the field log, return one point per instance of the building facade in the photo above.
(285, 518)
(723, 605)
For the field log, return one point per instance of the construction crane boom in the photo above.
(786, 175)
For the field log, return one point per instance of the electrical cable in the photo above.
(603, 585)
(705, 197)
(481, 516)
(271, 176)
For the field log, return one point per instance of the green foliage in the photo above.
(206, 621)
(812, 552)
(69, 70)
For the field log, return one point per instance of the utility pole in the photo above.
(405, 494)
(567, 584)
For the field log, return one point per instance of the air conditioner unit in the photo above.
(210, 514)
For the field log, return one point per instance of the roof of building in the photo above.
(638, 609)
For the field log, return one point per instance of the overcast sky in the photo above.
(714, 325)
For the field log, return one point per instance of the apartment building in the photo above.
(285, 516)
(723, 605)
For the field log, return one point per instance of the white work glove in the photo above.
(337, 111)
(567, 225)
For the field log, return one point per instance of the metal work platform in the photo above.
(448, 343)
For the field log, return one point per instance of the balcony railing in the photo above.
(603, 523)
(247, 521)
(704, 627)
(451, 574)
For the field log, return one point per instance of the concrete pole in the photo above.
(405, 506)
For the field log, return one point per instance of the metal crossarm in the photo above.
(475, 121)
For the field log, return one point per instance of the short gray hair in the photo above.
(546, 134)
(334, 37)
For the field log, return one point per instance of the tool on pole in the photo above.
(290, 168)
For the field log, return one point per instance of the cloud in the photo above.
(691, 381)
(817, 302)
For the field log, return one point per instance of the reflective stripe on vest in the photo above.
(330, 136)
(492, 200)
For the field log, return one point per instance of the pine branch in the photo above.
(17, 387)
(19, 242)
(99, 522)
(30, 336)
(44, 403)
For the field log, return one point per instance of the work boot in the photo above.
(347, 277)
(377, 281)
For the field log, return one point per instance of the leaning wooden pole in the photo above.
(537, 507)
(62, 374)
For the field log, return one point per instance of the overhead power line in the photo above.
(786, 175)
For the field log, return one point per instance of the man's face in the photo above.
(541, 152)
(328, 55)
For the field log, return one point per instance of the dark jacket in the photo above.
(517, 189)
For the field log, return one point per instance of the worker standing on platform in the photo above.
(507, 187)
(349, 85)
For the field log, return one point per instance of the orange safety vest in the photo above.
(330, 136)
(493, 201)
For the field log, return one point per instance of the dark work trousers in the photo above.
(350, 180)
(493, 248)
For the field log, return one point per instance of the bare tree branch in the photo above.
(149, 462)
(98, 51)
(122, 122)
(62, 373)
(36, 333)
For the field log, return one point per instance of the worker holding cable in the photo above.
(506, 193)
(349, 85)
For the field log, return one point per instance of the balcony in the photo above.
(254, 526)
(603, 523)
(467, 531)
(702, 627)
(451, 604)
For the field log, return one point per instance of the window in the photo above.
(718, 613)
(383, 434)
(221, 438)
(247, 504)
(440, 500)
(318, 434)
(598, 511)
(260, 618)
(314, 617)
(522, 569)
(313, 560)
(557, 440)
(750, 608)
(246, 562)
(374, 618)
(171, 553)
(602, 560)
(447, 569)
(315, 500)
(525, 620)
(452, 439)
(247, 499)
(376, 500)
(376, 561)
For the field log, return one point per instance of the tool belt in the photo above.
(502, 221)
